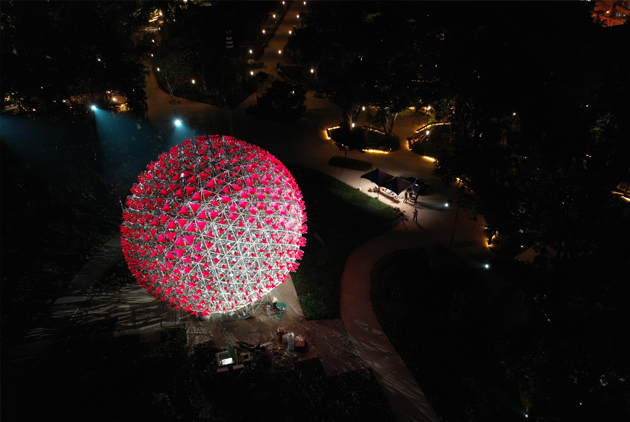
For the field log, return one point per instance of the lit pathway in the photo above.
(406, 399)
(139, 313)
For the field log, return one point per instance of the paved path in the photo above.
(140, 313)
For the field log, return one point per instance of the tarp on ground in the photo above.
(377, 176)
(397, 185)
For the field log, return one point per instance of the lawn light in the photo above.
(177, 122)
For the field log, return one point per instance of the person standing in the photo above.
(415, 215)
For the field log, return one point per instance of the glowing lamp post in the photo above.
(213, 225)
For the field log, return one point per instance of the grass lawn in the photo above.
(350, 163)
(343, 218)
(439, 315)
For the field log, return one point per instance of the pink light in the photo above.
(206, 215)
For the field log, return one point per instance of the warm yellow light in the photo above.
(427, 132)
(363, 108)
(426, 157)
(251, 51)
(193, 81)
(312, 70)
(376, 151)
(263, 31)
(158, 69)
(114, 99)
(279, 51)
(327, 131)
(353, 125)
(251, 72)
(289, 32)
(298, 16)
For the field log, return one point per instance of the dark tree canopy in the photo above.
(62, 53)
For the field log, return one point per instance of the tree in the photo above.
(282, 101)
(86, 50)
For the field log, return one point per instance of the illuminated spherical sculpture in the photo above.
(213, 225)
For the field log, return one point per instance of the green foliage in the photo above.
(300, 75)
(364, 138)
(343, 218)
(129, 380)
(314, 305)
(69, 183)
(443, 321)
(282, 101)
(197, 39)
(71, 53)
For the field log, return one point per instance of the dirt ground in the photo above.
(138, 313)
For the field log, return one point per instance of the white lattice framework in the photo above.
(213, 225)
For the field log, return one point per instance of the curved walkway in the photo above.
(407, 400)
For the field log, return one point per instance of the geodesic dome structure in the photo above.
(213, 225)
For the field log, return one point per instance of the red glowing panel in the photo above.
(213, 225)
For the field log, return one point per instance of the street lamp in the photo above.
(178, 122)
(93, 107)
